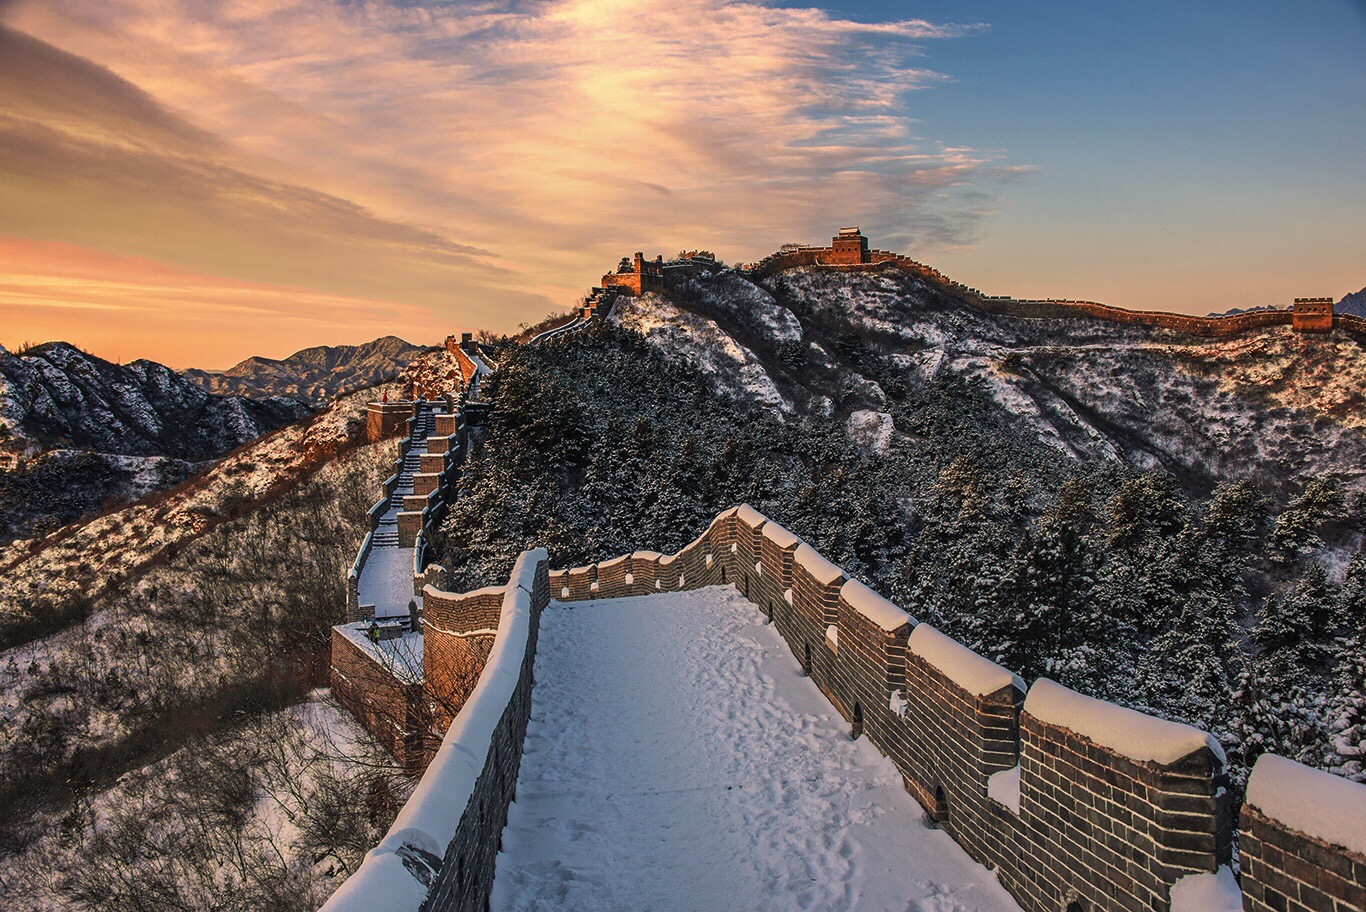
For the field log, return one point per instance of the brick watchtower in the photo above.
(1313, 315)
(637, 276)
(849, 247)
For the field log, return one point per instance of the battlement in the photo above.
(1075, 803)
(636, 276)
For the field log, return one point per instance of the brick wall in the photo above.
(388, 708)
(1310, 316)
(386, 419)
(440, 853)
(1109, 808)
(1285, 867)
(457, 634)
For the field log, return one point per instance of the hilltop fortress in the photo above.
(849, 250)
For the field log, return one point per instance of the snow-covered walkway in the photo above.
(677, 760)
(386, 579)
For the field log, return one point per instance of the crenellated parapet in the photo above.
(849, 251)
(1076, 803)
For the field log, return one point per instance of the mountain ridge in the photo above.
(316, 374)
(811, 340)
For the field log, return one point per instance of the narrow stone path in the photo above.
(386, 580)
(676, 759)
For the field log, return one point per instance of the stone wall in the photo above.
(390, 708)
(439, 854)
(1302, 840)
(1078, 804)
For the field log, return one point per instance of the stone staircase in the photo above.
(386, 534)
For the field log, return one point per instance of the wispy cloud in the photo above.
(488, 158)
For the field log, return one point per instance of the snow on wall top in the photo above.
(613, 563)
(874, 607)
(1127, 732)
(780, 536)
(750, 516)
(977, 675)
(1316, 803)
(645, 555)
(429, 819)
(821, 570)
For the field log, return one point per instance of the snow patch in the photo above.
(821, 570)
(780, 536)
(1217, 892)
(1127, 732)
(750, 516)
(1316, 803)
(973, 673)
(874, 607)
(872, 429)
(897, 703)
(1004, 788)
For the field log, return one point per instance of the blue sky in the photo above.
(1194, 133)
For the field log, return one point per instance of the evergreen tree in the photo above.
(1347, 711)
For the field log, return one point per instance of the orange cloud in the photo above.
(482, 161)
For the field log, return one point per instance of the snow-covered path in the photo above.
(386, 579)
(677, 760)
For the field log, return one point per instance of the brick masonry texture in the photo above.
(1284, 869)
(464, 881)
(470, 784)
(391, 710)
(1095, 829)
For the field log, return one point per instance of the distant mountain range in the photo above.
(90, 431)
(315, 375)
(56, 396)
(1354, 303)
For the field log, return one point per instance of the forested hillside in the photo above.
(1239, 608)
(162, 741)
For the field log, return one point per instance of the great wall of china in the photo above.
(1077, 804)
(849, 251)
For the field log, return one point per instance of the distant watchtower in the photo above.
(848, 247)
(1313, 315)
(637, 276)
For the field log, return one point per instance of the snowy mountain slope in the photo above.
(41, 579)
(1271, 404)
(57, 395)
(705, 344)
(315, 375)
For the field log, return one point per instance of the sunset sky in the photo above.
(196, 181)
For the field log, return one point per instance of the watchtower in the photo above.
(1313, 315)
(637, 276)
(848, 247)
